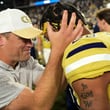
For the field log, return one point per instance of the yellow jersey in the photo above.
(88, 57)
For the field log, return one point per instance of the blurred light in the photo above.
(45, 2)
(1, 2)
(108, 5)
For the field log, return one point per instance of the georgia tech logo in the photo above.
(25, 19)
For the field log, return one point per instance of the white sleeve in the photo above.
(9, 89)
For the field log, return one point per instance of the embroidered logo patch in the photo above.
(25, 19)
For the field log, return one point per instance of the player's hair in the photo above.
(54, 12)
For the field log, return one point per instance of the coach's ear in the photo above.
(1, 40)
